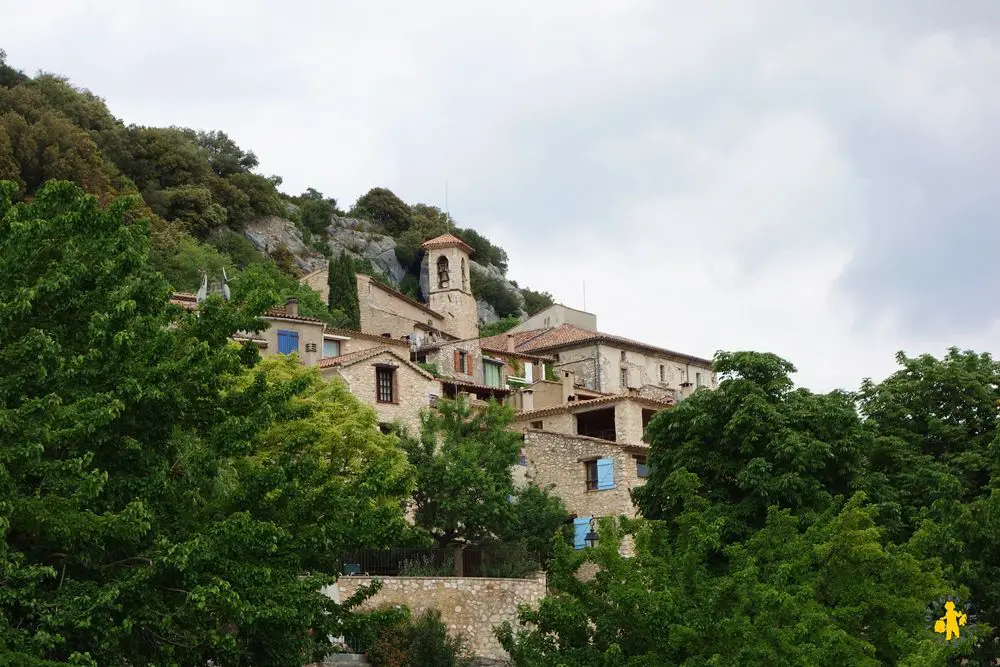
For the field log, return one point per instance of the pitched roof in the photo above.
(474, 385)
(352, 358)
(448, 241)
(498, 344)
(604, 400)
(567, 335)
(349, 333)
(279, 311)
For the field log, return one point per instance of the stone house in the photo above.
(555, 315)
(449, 314)
(616, 365)
(480, 368)
(384, 378)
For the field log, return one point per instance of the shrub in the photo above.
(419, 642)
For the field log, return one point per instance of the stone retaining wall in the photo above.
(469, 606)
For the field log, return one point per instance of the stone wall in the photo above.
(384, 312)
(310, 337)
(413, 388)
(558, 459)
(644, 369)
(470, 606)
(582, 361)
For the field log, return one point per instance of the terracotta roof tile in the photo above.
(279, 311)
(475, 385)
(190, 302)
(606, 400)
(448, 241)
(566, 334)
(361, 355)
(349, 333)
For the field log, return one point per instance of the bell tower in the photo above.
(450, 288)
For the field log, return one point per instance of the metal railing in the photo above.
(502, 562)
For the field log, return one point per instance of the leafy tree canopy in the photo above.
(152, 512)
(383, 207)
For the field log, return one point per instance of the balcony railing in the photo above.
(510, 562)
(606, 434)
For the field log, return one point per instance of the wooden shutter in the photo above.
(605, 474)
(581, 526)
(458, 360)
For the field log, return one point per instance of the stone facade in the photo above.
(452, 297)
(412, 391)
(385, 311)
(627, 417)
(469, 606)
(555, 315)
(559, 459)
(603, 367)
(464, 360)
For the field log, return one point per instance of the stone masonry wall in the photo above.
(470, 606)
(413, 389)
(558, 459)
(383, 313)
(581, 361)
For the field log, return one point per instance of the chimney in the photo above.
(527, 400)
(510, 343)
(292, 307)
(567, 385)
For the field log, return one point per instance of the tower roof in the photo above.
(448, 241)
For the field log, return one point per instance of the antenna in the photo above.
(447, 215)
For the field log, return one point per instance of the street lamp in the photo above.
(592, 538)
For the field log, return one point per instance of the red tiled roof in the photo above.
(279, 311)
(605, 400)
(498, 344)
(566, 335)
(349, 333)
(361, 355)
(448, 241)
(474, 385)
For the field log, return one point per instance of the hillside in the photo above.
(210, 209)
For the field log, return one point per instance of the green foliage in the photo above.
(316, 211)
(152, 509)
(237, 247)
(182, 265)
(384, 208)
(535, 302)
(484, 252)
(419, 642)
(833, 594)
(273, 287)
(756, 443)
(464, 492)
(494, 292)
(9, 77)
(193, 207)
(430, 368)
(343, 284)
(498, 327)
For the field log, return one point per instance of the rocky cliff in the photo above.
(358, 238)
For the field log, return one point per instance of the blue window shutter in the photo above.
(581, 526)
(605, 474)
(288, 341)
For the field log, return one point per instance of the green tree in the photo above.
(193, 207)
(383, 207)
(465, 491)
(756, 442)
(494, 292)
(836, 593)
(128, 536)
(224, 155)
(535, 302)
(342, 281)
(498, 327)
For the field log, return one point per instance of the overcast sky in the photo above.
(815, 179)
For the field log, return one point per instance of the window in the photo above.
(464, 280)
(461, 361)
(288, 341)
(624, 378)
(623, 355)
(385, 384)
(641, 470)
(331, 348)
(529, 372)
(556, 356)
(663, 373)
(536, 425)
(697, 379)
(581, 526)
(442, 271)
(600, 474)
(491, 373)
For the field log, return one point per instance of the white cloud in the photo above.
(808, 178)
